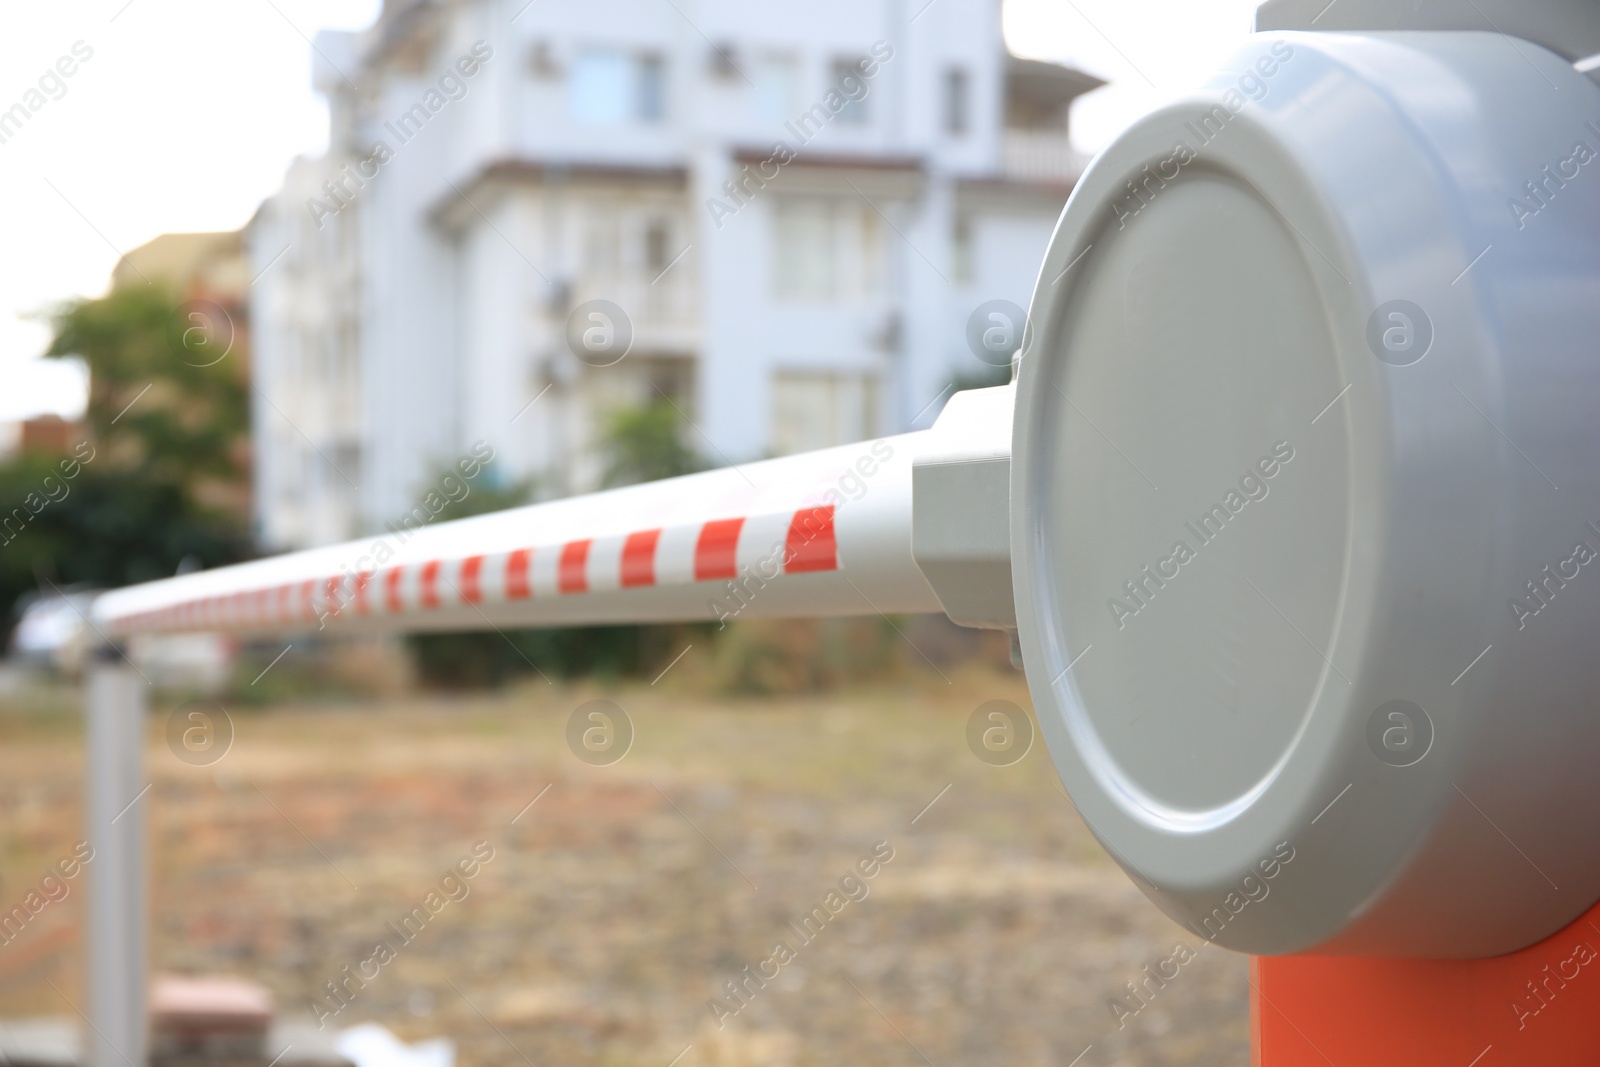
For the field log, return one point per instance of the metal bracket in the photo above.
(961, 510)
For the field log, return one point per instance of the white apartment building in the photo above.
(797, 207)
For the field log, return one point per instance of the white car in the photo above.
(54, 630)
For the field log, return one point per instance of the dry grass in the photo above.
(618, 905)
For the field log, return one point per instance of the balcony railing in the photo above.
(664, 313)
(1040, 155)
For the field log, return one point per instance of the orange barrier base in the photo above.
(1539, 1006)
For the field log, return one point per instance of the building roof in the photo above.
(1048, 85)
(450, 211)
(843, 161)
(188, 263)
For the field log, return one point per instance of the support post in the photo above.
(1539, 1005)
(116, 820)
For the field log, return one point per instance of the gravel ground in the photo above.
(620, 899)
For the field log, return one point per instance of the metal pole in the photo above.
(115, 817)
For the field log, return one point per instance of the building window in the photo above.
(819, 409)
(956, 102)
(961, 250)
(848, 81)
(827, 249)
(652, 88)
(805, 249)
(600, 86)
(602, 245)
(656, 256)
(610, 86)
(777, 94)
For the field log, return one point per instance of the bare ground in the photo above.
(617, 906)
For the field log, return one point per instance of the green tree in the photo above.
(168, 383)
(104, 528)
(645, 444)
(162, 473)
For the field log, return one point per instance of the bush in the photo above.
(111, 528)
(476, 659)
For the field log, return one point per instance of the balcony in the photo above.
(664, 311)
(1040, 156)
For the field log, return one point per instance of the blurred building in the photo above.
(197, 266)
(796, 207)
(49, 434)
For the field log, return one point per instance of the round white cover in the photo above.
(1306, 507)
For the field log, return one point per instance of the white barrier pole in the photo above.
(823, 533)
(115, 825)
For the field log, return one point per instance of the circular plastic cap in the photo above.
(1306, 497)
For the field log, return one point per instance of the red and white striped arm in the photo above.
(823, 533)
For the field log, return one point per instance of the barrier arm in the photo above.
(827, 533)
(822, 533)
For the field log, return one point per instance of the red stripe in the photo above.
(430, 584)
(811, 545)
(639, 558)
(335, 588)
(470, 592)
(391, 590)
(714, 552)
(517, 587)
(573, 576)
(361, 591)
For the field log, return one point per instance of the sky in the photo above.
(187, 113)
